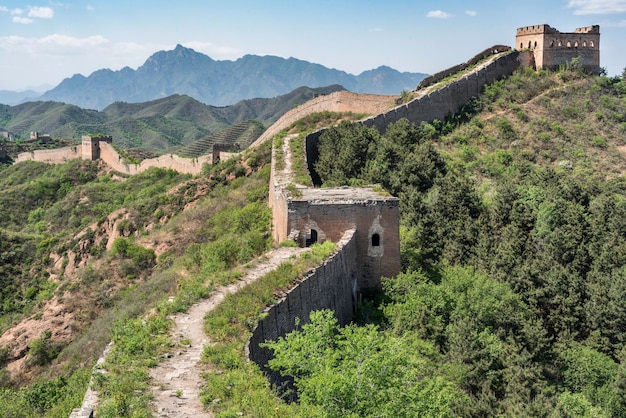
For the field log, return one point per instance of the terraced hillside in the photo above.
(241, 134)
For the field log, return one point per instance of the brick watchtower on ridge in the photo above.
(552, 48)
(91, 146)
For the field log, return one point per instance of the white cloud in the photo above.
(55, 44)
(471, 13)
(90, 8)
(22, 20)
(4, 9)
(597, 7)
(16, 12)
(41, 12)
(438, 14)
(377, 30)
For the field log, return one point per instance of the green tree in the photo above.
(357, 372)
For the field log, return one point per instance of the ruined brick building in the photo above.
(552, 48)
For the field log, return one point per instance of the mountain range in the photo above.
(156, 125)
(218, 83)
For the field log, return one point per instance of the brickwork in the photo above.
(330, 286)
(340, 101)
(435, 78)
(91, 146)
(54, 156)
(169, 161)
(552, 48)
(447, 100)
(103, 150)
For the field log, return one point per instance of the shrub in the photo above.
(42, 350)
(599, 142)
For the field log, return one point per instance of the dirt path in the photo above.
(177, 380)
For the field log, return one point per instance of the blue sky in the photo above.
(44, 41)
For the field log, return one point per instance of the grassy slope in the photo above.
(564, 120)
(122, 283)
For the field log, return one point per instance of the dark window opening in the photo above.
(375, 240)
(311, 237)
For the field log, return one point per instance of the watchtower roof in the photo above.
(345, 195)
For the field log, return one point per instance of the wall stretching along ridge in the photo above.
(329, 286)
(366, 223)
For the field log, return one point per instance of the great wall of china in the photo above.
(363, 222)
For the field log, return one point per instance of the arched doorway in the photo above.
(311, 237)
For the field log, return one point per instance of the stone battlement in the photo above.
(552, 48)
(101, 148)
(535, 29)
(595, 29)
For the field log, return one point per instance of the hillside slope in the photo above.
(153, 126)
(510, 304)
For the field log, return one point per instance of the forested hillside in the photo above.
(514, 261)
(510, 303)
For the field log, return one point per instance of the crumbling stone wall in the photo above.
(54, 156)
(437, 77)
(448, 100)
(340, 101)
(105, 152)
(329, 286)
(170, 161)
(91, 146)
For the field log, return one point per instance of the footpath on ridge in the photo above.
(177, 381)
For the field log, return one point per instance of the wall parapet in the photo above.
(329, 286)
(113, 159)
(437, 77)
(340, 101)
(55, 156)
(447, 100)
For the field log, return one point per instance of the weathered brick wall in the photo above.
(551, 48)
(341, 101)
(173, 162)
(280, 215)
(329, 286)
(447, 100)
(437, 77)
(55, 156)
(114, 160)
(366, 217)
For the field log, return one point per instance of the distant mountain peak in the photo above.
(220, 83)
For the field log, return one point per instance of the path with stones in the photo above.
(177, 380)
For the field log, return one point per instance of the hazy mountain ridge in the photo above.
(156, 125)
(15, 97)
(218, 83)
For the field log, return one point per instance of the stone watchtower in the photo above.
(320, 214)
(91, 146)
(552, 48)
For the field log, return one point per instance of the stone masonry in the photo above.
(552, 48)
